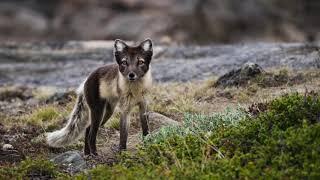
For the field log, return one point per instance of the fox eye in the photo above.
(140, 61)
(124, 63)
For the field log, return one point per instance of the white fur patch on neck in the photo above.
(135, 88)
(133, 92)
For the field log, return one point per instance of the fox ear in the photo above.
(119, 45)
(146, 45)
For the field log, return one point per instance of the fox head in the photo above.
(133, 61)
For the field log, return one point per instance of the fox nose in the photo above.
(132, 76)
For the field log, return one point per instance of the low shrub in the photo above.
(197, 124)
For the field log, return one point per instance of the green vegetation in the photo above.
(197, 124)
(32, 168)
(44, 114)
(282, 142)
(47, 117)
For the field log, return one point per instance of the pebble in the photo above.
(6, 147)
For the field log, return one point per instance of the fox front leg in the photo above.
(124, 126)
(143, 111)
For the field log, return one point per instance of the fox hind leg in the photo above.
(86, 142)
(96, 115)
(90, 135)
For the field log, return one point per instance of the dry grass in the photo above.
(173, 99)
(176, 99)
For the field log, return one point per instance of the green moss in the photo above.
(281, 143)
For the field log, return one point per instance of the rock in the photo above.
(72, 160)
(239, 77)
(157, 121)
(15, 92)
(61, 97)
(10, 156)
(6, 147)
(251, 69)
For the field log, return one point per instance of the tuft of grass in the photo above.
(47, 117)
(114, 121)
(43, 114)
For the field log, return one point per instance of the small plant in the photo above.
(47, 117)
(43, 114)
(114, 121)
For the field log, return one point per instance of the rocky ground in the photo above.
(67, 64)
(38, 82)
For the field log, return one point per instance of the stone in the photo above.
(6, 147)
(239, 77)
(61, 97)
(72, 160)
(10, 156)
(157, 121)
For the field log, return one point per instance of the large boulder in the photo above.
(157, 121)
(239, 77)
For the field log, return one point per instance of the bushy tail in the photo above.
(75, 127)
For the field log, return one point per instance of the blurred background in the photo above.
(182, 21)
